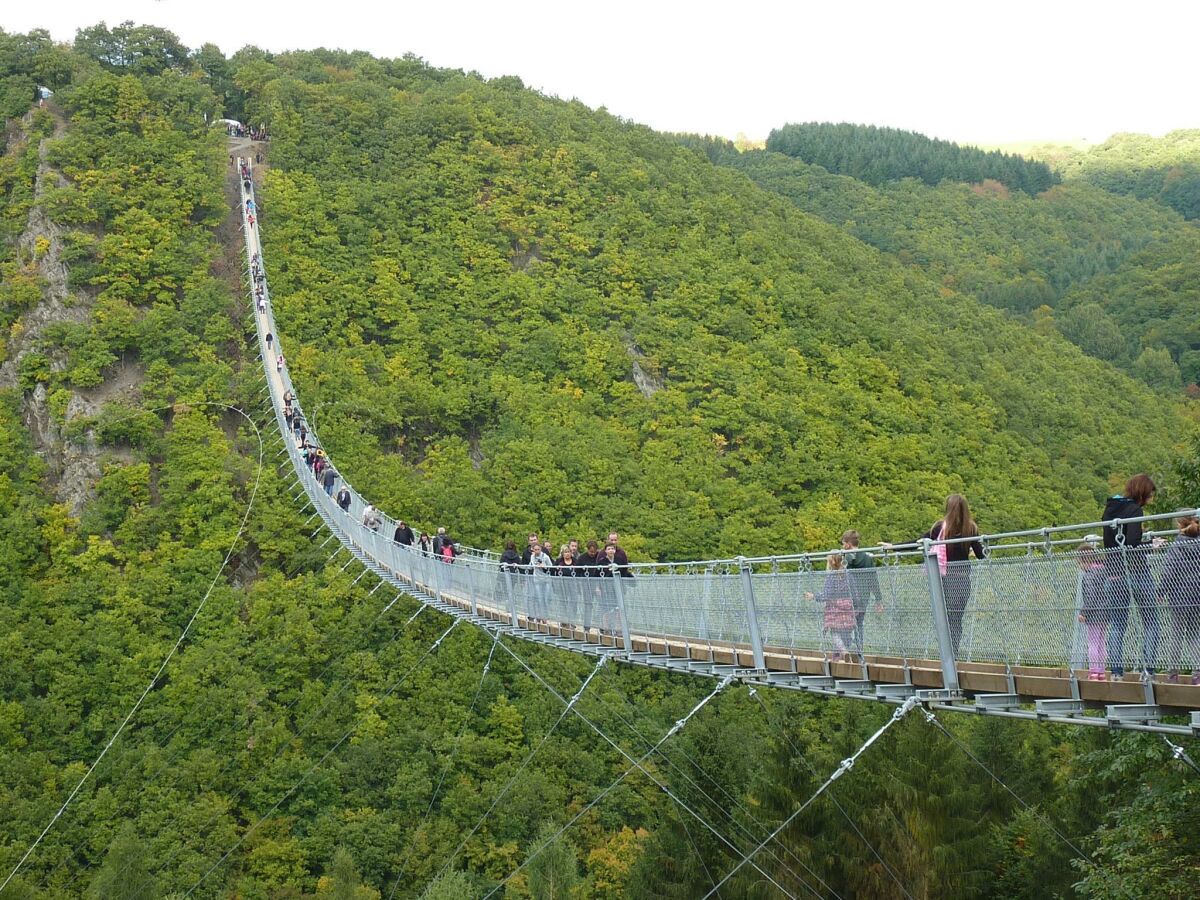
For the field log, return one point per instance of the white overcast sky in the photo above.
(963, 70)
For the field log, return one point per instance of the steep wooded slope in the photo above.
(471, 271)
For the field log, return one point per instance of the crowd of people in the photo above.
(1116, 571)
(237, 129)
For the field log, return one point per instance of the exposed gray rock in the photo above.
(74, 467)
(649, 383)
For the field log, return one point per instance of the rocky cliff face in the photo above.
(74, 466)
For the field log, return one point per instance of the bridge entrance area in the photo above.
(1047, 626)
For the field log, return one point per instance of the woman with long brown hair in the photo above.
(953, 559)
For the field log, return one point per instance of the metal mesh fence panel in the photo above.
(697, 606)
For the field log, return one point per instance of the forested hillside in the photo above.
(505, 311)
(1035, 256)
(475, 270)
(1166, 169)
(879, 155)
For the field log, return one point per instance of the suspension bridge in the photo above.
(1017, 649)
(1018, 652)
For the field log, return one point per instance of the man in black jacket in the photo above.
(343, 499)
(1127, 576)
(404, 535)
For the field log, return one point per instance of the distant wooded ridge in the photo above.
(878, 155)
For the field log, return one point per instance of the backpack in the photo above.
(447, 550)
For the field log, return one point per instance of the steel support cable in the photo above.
(832, 797)
(933, 720)
(166, 765)
(743, 829)
(521, 768)
(845, 766)
(446, 768)
(1177, 752)
(174, 649)
(289, 742)
(303, 778)
(621, 750)
(637, 764)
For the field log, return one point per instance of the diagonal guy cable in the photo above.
(833, 798)
(637, 764)
(524, 764)
(165, 766)
(170, 655)
(722, 809)
(933, 720)
(625, 753)
(1177, 752)
(846, 765)
(301, 730)
(446, 768)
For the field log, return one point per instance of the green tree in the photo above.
(126, 870)
(342, 881)
(554, 873)
(1155, 366)
(454, 885)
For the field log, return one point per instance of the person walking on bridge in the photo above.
(404, 535)
(371, 518)
(343, 499)
(614, 541)
(443, 547)
(1127, 574)
(953, 559)
(864, 583)
(540, 563)
(1093, 611)
(510, 559)
(838, 619)
(527, 553)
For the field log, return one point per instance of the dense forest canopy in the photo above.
(1166, 169)
(469, 277)
(1039, 257)
(879, 155)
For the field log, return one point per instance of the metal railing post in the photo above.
(620, 595)
(705, 603)
(512, 603)
(471, 581)
(437, 579)
(756, 644)
(941, 621)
